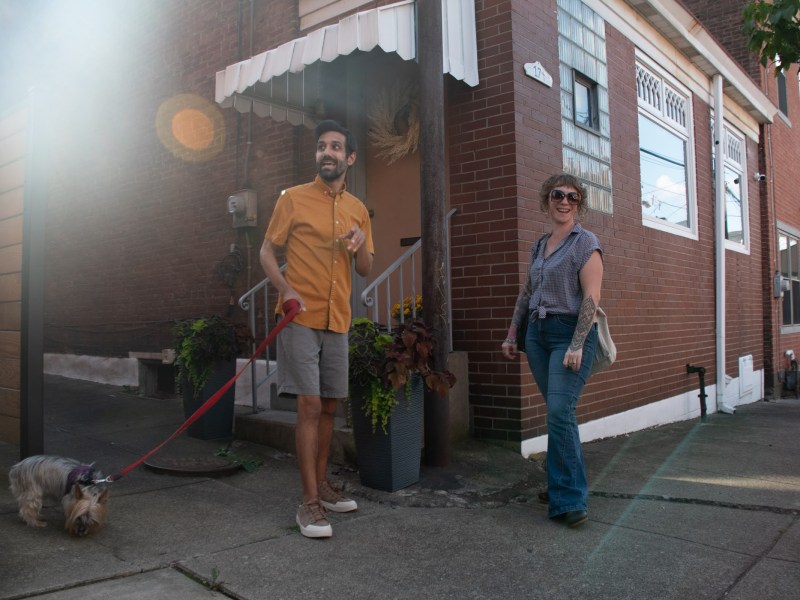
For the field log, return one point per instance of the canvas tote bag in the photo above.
(606, 352)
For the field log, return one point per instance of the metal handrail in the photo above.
(371, 296)
(248, 304)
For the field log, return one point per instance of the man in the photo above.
(323, 228)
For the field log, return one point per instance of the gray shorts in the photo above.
(312, 362)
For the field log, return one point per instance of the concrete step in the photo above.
(276, 428)
(275, 422)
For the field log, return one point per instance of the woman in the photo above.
(559, 301)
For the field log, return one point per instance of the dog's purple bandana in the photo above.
(81, 474)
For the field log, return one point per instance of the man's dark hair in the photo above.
(331, 125)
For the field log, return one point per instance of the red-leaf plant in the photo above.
(380, 364)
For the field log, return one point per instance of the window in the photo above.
(585, 98)
(665, 158)
(790, 264)
(783, 103)
(734, 230)
(662, 157)
(583, 82)
(736, 213)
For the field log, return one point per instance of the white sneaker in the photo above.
(312, 522)
(331, 499)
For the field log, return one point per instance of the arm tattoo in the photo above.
(585, 320)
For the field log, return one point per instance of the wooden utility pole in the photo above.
(433, 218)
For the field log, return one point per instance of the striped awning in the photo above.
(274, 83)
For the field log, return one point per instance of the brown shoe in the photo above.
(331, 499)
(311, 520)
(573, 518)
(544, 497)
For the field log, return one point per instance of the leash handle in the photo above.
(290, 310)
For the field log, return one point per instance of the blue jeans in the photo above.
(546, 343)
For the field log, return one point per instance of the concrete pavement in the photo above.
(691, 510)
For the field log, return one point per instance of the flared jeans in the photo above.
(546, 344)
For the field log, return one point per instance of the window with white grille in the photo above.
(666, 156)
(736, 213)
(789, 252)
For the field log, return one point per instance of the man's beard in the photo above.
(330, 173)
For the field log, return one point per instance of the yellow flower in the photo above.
(409, 305)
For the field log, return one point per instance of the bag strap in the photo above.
(538, 247)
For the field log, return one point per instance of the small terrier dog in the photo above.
(83, 498)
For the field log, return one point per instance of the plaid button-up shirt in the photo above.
(555, 283)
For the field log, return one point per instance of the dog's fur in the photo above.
(85, 503)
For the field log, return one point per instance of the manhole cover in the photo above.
(212, 466)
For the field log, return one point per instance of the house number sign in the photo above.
(538, 72)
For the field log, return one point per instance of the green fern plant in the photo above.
(201, 343)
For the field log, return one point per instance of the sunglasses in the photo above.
(558, 196)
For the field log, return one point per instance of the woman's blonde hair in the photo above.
(562, 180)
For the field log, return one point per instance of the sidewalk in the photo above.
(686, 511)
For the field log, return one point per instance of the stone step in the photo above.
(276, 428)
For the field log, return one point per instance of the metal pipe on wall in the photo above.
(719, 240)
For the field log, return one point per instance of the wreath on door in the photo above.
(394, 121)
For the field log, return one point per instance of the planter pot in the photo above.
(390, 461)
(218, 421)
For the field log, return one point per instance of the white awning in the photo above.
(272, 84)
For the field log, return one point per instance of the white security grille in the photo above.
(733, 148)
(661, 98)
(648, 88)
(675, 106)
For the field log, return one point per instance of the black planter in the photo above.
(390, 461)
(218, 421)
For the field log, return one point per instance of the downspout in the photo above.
(719, 246)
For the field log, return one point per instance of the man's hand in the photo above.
(290, 294)
(354, 239)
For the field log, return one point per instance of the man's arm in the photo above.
(270, 265)
(363, 261)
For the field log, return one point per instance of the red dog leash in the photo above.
(290, 310)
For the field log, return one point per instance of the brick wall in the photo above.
(781, 143)
(723, 20)
(776, 156)
(494, 226)
(658, 288)
(135, 240)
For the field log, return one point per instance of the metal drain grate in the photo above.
(211, 466)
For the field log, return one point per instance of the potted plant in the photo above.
(205, 359)
(387, 374)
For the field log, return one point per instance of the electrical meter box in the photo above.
(242, 205)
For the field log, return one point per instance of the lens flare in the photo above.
(193, 129)
(190, 127)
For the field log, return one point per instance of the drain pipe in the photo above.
(719, 235)
(701, 374)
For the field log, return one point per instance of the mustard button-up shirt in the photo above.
(307, 221)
